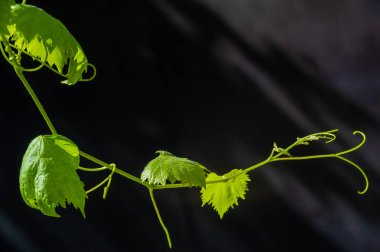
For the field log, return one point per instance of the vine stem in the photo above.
(14, 61)
(281, 152)
(92, 169)
(98, 185)
(116, 170)
(19, 72)
(339, 155)
(309, 158)
(159, 217)
(35, 99)
(125, 174)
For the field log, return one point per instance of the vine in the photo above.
(48, 174)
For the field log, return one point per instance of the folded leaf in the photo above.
(44, 37)
(48, 176)
(169, 167)
(222, 193)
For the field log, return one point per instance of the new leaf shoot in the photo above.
(169, 167)
(223, 192)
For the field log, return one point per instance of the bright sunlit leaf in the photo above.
(223, 193)
(44, 37)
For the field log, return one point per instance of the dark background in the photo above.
(216, 81)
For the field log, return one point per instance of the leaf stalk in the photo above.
(159, 217)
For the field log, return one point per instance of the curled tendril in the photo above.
(32, 69)
(360, 170)
(10, 57)
(364, 139)
(107, 180)
(43, 64)
(93, 74)
(97, 186)
(329, 135)
(92, 169)
(283, 154)
(340, 154)
(19, 53)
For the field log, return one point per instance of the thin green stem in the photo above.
(43, 63)
(14, 60)
(95, 160)
(303, 157)
(116, 170)
(93, 74)
(109, 181)
(159, 217)
(364, 139)
(361, 171)
(272, 158)
(35, 99)
(98, 185)
(330, 156)
(169, 186)
(106, 166)
(126, 174)
(33, 69)
(323, 135)
(92, 169)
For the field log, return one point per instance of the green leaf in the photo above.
(44, 37)
(5, 13)
(169, 167)
(48, 176)
(225, 191)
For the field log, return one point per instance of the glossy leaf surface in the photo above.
(48, 176)
(169, 167)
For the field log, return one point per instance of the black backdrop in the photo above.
(217, 82)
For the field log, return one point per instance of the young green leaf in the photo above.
(48, 176)
(42, 36)
(223, 192)
(169, 167)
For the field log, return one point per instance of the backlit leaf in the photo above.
(48, 176)
(44, 37)
(169, 167)
(224, 193)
